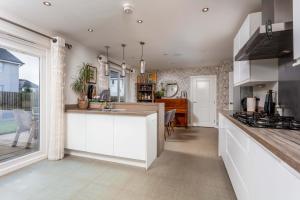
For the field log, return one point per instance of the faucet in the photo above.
(108, 105)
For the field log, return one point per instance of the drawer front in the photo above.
(237, 146)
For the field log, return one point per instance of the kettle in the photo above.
(269, 106)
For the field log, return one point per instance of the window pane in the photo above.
(117, 86)
(113, 85)
(122, 89)
(19, 104)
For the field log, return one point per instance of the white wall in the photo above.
(75, 58)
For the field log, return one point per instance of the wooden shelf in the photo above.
(145, 92)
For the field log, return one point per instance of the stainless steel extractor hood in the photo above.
(274, 38)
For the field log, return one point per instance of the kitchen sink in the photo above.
(114, 110)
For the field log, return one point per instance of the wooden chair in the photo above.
(167, 123)
(25, 123)
(172, 120)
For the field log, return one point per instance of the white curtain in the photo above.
(56, 138)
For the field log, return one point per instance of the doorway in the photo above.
(203, 101)
(23, 105)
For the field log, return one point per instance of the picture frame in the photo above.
(93, 78)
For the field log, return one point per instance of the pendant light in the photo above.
(107, 64)
(123, 66)
(142, 62)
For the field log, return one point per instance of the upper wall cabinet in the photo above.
(252, 72)
(296, 12)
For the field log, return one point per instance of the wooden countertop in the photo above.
(119, 112)
(285, 144)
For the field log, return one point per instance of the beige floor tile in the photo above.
(188, 169)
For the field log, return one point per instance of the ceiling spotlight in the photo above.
(47, 3)
(128, 9)
(205, 9)
(139, 21)
(90, 30)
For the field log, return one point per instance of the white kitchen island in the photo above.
(127, 137)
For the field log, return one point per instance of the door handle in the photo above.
(195, 102)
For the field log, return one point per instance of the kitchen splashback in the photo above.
(289, 87)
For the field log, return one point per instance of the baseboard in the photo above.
(136, 163)
(18, 163)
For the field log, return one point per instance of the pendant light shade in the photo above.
(142, 62)
(123, 66)
(143, 66)
(106, 69)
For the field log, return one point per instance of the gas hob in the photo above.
(262, 120)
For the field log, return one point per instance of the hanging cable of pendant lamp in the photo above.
(107, 63)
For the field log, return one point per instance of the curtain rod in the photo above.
(69, 46)
(130, 70)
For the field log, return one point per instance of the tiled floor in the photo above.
(188, 169)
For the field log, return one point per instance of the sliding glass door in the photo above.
(19, 103)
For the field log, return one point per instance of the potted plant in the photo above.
(159, 94)
(80, 85)
(96, 104)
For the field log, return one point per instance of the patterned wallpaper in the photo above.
(182, 77)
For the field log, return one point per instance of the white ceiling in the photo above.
(178, 28)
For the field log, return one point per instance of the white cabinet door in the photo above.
(244, 32)
(76, 133)
(236, 72)
(236, 64)
(244, 70)
(268, 178)
(255, 172)
(99, 134)
(130, 137)
(255, 22)
(296, 22)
